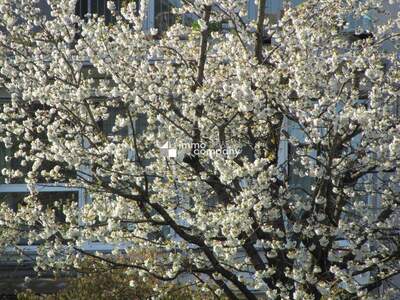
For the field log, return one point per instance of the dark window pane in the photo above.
(81, 8)
(101, 7)
(9, 162)
(4, 152)
(95, 6)
(48, 199)
(163, 17)
(301, 184)
(108, 124)
(98, 7)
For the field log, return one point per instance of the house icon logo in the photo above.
(168, 150)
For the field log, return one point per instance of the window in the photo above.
(106, 125)
(14, 190)
(273, 8)
(12, 159)
(159, 12)
(117, 112)
(13, 195)
(360, 28)
(298, 176)
(15, 199)
(163, 17)
(6, 162)
(98, 7)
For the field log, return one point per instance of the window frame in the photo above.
(44, 188)
(48, 188)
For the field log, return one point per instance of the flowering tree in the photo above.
(307, 209)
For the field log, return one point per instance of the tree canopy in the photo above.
(295, 192)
